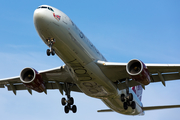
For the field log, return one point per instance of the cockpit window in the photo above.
(43, 7)
(49, 8)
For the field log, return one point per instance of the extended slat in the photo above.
(155, 77)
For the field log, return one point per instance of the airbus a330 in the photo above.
(118, 85)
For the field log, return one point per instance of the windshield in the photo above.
(49, 8)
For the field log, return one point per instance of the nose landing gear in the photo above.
(50, 51)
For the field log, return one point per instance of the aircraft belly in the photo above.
(71, 52)
(80, 64)
(91, 80)
(65, 42)
(87, 75)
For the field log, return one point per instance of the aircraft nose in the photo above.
(39, 17)
(42, 22)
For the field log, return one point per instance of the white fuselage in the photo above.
(80, 56)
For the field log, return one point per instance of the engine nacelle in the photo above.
(138, 71)
(31, 79)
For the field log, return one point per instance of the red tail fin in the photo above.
(138, 91)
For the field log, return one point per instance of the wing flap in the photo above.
(2, 86)
(167, 77)
(16, 87)
(49, 86)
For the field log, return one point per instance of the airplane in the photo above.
(118, 85)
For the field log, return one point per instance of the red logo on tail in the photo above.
(138, 91)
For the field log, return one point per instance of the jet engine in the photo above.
(32, 79)
(138, 71)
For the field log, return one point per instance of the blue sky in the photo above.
(121, 30)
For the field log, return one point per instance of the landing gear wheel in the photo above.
(53, 52)
(63, 101)
(71, 101)
(125, 105)
(50, 42)
(130, 96)
(74, 109)
(66, 109)
(128, 99)
(48, 52)
(122, 97)
(133, 105)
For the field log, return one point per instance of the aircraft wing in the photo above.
(53, 78)
(158, 72)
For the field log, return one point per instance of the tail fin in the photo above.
(138, 91)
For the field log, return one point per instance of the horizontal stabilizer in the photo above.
(105, 110)
(160, 107)
(147, 108)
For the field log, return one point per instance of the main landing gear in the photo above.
(128, 100)
(51, 50)
(69, 102)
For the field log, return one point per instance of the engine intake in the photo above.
(32, 79)
(138, 71)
